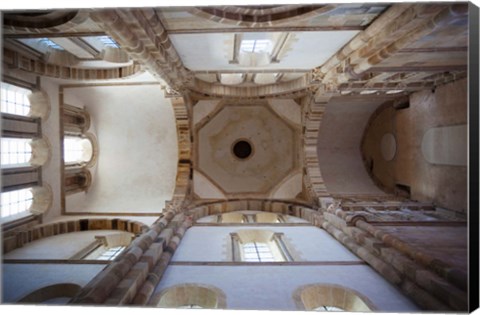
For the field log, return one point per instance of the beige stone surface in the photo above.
(447, 244)
(273, 142)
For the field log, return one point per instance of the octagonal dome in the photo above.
(271, 157)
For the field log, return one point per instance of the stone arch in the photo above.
(39, 19)
(299, 85)
(39, 67)
(17, 238)
(312, 117)
(312, 296)
(190, 294)
(46, 21)
(295, 209)
(260, 16)
(62, 291)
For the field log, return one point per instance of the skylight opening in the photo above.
(16, 202)
(14, 100)
(255, 45)
(50, 43)
(108, 41)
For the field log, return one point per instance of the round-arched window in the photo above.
(331, 297)
(16, 151)
(14, 99)
(16, 202)
(190, 295)
(77, 150)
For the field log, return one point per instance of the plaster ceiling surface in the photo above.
(136, 167)
(274, 142)
(303, 51)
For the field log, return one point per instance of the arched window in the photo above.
(105, 247)
(190, 295)
(77, 150)
(14, 99)
(15, 151)
(111, 253)
(16, 202)
(259, 246)
(331, 297)
(32, 200)
(23, 151)
(257, 252)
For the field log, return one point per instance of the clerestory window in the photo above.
(111, 253)
(259, 246)
(255, 45)
(257, 252)
(14, 99)
(16, 202)
(15, 151)
(50, 43)
(331, 298)
(77, 150)
(108, 41)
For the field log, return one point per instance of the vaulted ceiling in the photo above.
(255, 51)
(239, 69)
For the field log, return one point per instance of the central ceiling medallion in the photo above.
(242, 149)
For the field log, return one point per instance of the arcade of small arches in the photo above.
(25, 150)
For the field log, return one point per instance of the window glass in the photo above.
(77, 150)
(108, 41)
(257, 252)
(100, 42)
(15, 151)
(14, 99)
(15, 202)
(255, 45)
(111, 253)
(50, 43)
